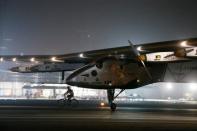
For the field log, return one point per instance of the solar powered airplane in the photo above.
(122, 68)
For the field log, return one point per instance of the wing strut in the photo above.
(63, 76)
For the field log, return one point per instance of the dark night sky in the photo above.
(65, 26)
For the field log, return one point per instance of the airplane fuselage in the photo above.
(110, 73)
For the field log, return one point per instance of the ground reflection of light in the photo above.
(193, 86)
(169, 86)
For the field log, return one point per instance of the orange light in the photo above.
(102, 104)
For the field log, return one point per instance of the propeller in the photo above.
(137, 54)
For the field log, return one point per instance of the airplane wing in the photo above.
(80, 57)
(167, 51)
(168, 45)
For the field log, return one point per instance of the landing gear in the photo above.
(113, 106)
(110, 95)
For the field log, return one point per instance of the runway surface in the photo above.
(89, 116)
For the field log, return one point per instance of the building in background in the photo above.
(48, 86)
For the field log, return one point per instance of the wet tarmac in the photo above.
(89, 115)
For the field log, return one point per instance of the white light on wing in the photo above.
(184, 44)
(139, 48)
(53, 59)
(32, 59)
(81, 55)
